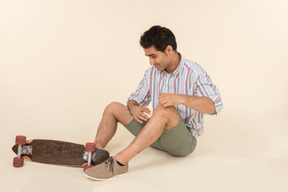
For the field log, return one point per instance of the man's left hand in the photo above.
(169, 99)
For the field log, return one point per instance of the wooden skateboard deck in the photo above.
(59, 153)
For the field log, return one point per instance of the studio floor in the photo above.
(245, 158)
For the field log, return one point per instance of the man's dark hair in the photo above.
(159, 37)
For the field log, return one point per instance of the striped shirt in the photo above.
(189, 78)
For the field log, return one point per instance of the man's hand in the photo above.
(139, 113)
(169, 99)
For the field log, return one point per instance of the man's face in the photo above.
(157, 58)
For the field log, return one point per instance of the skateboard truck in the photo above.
(89, 155)
(22, 149)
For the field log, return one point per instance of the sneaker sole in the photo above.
(97, 179)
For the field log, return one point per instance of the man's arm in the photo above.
(200, 104)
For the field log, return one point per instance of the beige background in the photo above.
(63, 61)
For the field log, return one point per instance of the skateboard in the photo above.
(57, 152)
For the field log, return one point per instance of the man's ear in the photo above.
(169, 50)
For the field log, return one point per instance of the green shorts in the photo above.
(178, 141)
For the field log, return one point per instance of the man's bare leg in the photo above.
(162, 118)
(114, 113)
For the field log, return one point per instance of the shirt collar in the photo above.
(179, 67)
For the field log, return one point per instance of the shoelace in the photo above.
(109, 164)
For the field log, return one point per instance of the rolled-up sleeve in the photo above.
(205, 88)
(142, 93)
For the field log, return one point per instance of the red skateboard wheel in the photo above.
(90, 147)
(86, 166)
(18, 162)
(20, 140)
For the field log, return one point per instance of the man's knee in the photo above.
(113, 107)
(165, 112)
(119, 112)
(168, 114)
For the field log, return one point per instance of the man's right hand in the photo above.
(139, 113)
